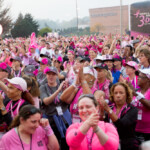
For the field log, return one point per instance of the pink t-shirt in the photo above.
(7, 61)
(36, 102)
(103, 87)
(118, 46)
(73, 105)
(78, 141)
(134, 82)
(143, 120)
(71, 76)
(100, 49)
(11, 141)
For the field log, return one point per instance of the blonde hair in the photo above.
(109, 76)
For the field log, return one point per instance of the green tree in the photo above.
(24, 26)
(44, 30)
(17, 30)
(5, 19)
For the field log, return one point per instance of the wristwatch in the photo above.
(3, 108)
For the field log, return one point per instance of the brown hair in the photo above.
(108, 46)
(127, 89)
(146, 52)
(25, 112)
(27, 97)
(33, 84)
(90, 96)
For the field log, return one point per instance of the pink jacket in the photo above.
(78, 141)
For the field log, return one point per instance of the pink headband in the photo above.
(92, 49)
(71, 52)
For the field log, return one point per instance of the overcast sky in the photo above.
(59, 9)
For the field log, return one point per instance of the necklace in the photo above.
(22, 143)
(89, 140)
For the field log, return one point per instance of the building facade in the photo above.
(107, 20)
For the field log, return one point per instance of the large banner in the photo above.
(140, 17)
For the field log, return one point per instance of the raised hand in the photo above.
(61, 86)
(93, 120)
(80, 74)
(103, 104)
(1, 99)
(44, 122)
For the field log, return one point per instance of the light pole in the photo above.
(77, 13)
(121, 19)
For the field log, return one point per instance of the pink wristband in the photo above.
(48, 130)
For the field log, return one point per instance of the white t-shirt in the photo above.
(48, 52)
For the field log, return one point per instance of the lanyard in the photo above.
(19, 73)
(2, 93)
(10, 108)
(56, 100)
(133, 82)
(22, 143)
(119, 115)
(17, 109)
(89, 141)
(41, 78)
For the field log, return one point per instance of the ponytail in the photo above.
(27, 97)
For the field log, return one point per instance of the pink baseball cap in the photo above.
(18, 82)
(107, 57)
(90, 70)
(132, 64)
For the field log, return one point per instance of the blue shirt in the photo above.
(116, 76)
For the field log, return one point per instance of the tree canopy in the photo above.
(5, 19)
(44, 31)
(24, 26)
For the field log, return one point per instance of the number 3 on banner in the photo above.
(142, 21)
(1, 29)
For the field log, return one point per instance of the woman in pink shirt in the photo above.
(131, 69)
(92, 55)
(74, 91)
(91, 134)
(102, 83)
(29, 131)
(142, 101)
(70, 62)
(118, 45)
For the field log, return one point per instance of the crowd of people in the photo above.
(87, 92)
